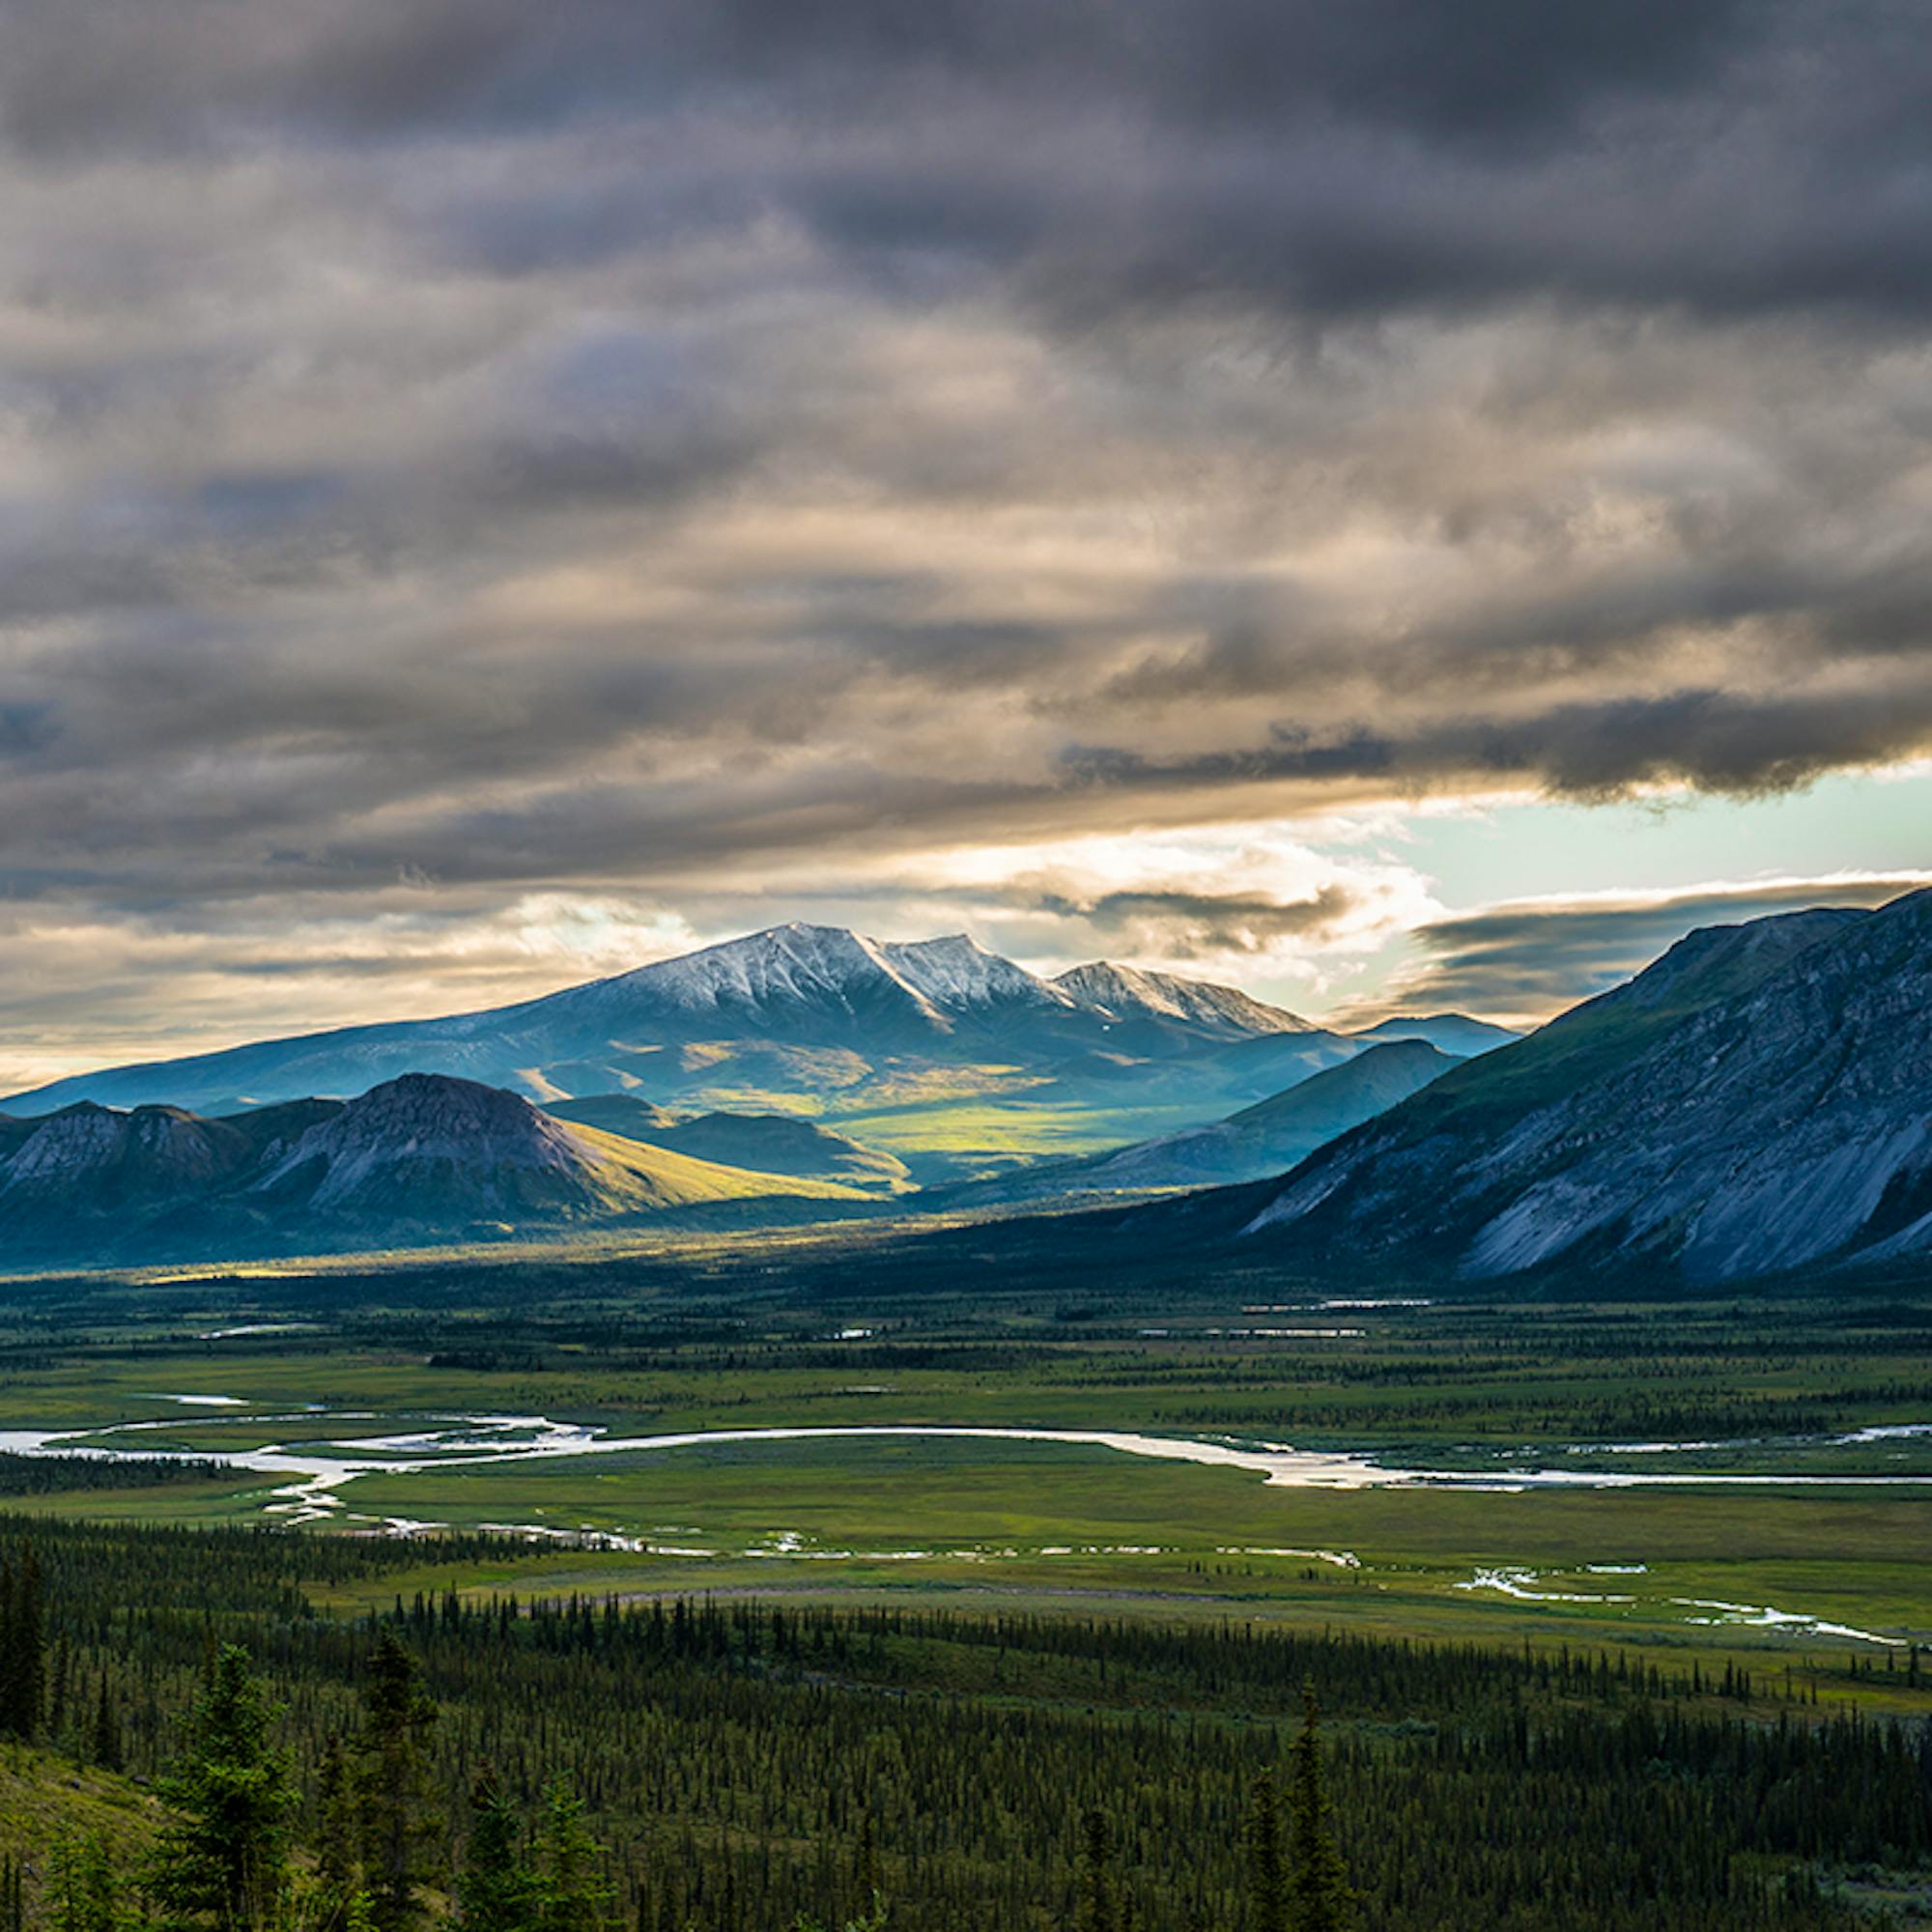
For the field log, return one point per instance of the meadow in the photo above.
(1811, 1566)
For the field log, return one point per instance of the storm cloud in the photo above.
(474, 451)
(1528, 960)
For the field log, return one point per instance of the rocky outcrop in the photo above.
(87, 1160)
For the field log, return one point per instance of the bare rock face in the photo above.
(428, 1140)
(1759, 1100)
(87, 1157)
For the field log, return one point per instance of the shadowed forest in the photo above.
(238, 1757)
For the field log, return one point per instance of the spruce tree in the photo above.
(401, 1834)
(865, 1870)
(338, 1871)
(7, 1728)
(57, 1684)
(105, 1741)
(22, 1645)
(1319, 1898)
(495, 1891)
(1096, 1891)
(222, 1857)
(1267, 1877)
(81, 1892)
(573, 1893)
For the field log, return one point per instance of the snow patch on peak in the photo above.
(1125, 991)
(1121, 988)
(956, 971)
(835, 972)
(795, 964)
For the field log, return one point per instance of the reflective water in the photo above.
(323, 1469)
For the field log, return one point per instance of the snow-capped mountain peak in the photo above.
(796, 1009)
(1131, 992)
(794, 961)
(957, 972)
(811, 987)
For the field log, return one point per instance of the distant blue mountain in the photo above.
(798, 1008)
(1448, 1032)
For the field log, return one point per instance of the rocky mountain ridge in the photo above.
(424, 1156)
(851, 1026)
(1757, 1101)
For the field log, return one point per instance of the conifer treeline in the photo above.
(55, 1476)
(22, 1643)
(746, 1764)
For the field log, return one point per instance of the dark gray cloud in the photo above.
(595, 447)
(1730, 154)
(1717, 741)
(1535, 959)
(1175, 923)
(1496, 71)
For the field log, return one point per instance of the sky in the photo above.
(1394, 505)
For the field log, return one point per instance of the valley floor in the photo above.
(1714, 1510)
(1705, 1479)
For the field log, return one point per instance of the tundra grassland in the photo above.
(1812, 1568)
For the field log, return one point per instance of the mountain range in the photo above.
(801, 1069)
(798, 1008)
(1757, 1101)
(942, 1053)
(423, 1157)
